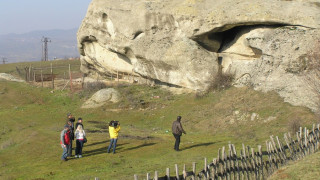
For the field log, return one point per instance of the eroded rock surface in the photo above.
(102, 97)
(9, 77)
(182, 43)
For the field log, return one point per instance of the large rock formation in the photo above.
(182, 43)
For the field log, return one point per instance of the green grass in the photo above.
(307, 168)
(32, 118)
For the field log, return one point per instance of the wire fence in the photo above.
(69, 76)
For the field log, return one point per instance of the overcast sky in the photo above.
(21, 16)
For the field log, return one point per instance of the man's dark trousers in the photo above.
(70, 149)
(176, 145)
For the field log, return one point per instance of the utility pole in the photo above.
(45, 41)
(4, 60)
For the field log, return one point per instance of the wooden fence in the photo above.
(250, 163)
(51, 73)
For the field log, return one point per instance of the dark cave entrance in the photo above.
(218, 40)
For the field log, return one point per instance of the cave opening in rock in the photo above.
(227, 37)
(218, 40)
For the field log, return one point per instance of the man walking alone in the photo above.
(177, 131)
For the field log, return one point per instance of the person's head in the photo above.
(66, 127)
(79, 120)
(69, 115)
(79, 128)
(179, 118)
(111, 122)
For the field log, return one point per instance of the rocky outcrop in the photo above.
(9, 77)
(182, 43)
(102, 97)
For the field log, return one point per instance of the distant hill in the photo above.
(28, 46)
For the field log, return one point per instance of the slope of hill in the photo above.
(307, 169)
(28, 46)
(32, 118)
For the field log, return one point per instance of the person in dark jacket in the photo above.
(65, 142)
(70, 122)
(79, 123)
(71, 128)
(177, 131)
(70, 118)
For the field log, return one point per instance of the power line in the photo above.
(4, 60)
(45, 41)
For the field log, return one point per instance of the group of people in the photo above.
(68, 135)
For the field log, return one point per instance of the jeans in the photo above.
(177, 143)
(65, 152)
(79, 146)
(114, 142)
(70, 148)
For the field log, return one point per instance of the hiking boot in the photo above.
(80, 156)
(76, 156)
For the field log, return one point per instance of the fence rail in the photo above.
(65, 73)
(250, 163)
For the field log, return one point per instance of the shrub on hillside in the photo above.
(294, 125)
(94, 86)
(222, 81)
(312, 70)
(91, 87)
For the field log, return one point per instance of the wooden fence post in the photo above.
(34, 75)
(156, 175)
(135, 177)
(64, 77)
(29, 76)
(236, 163)
(184, 172)
(214, 169)
(41, 79)
(177, 172)
(117, 76)
(193, 171)
(70, 77)
(168, 173)
(52, 79)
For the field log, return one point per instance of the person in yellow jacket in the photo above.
(114, 128)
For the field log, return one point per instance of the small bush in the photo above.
(91, 87)
(294, 125)
(222, 81)
(94, 86)
(200, 94)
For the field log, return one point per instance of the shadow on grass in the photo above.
(96, 143)
(102, 149)
(197, 145)
(140, 146)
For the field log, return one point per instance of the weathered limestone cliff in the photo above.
(182, 43)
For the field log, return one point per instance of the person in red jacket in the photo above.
(65, 142)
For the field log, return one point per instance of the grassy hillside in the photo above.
(307, 168)
(32, 119)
